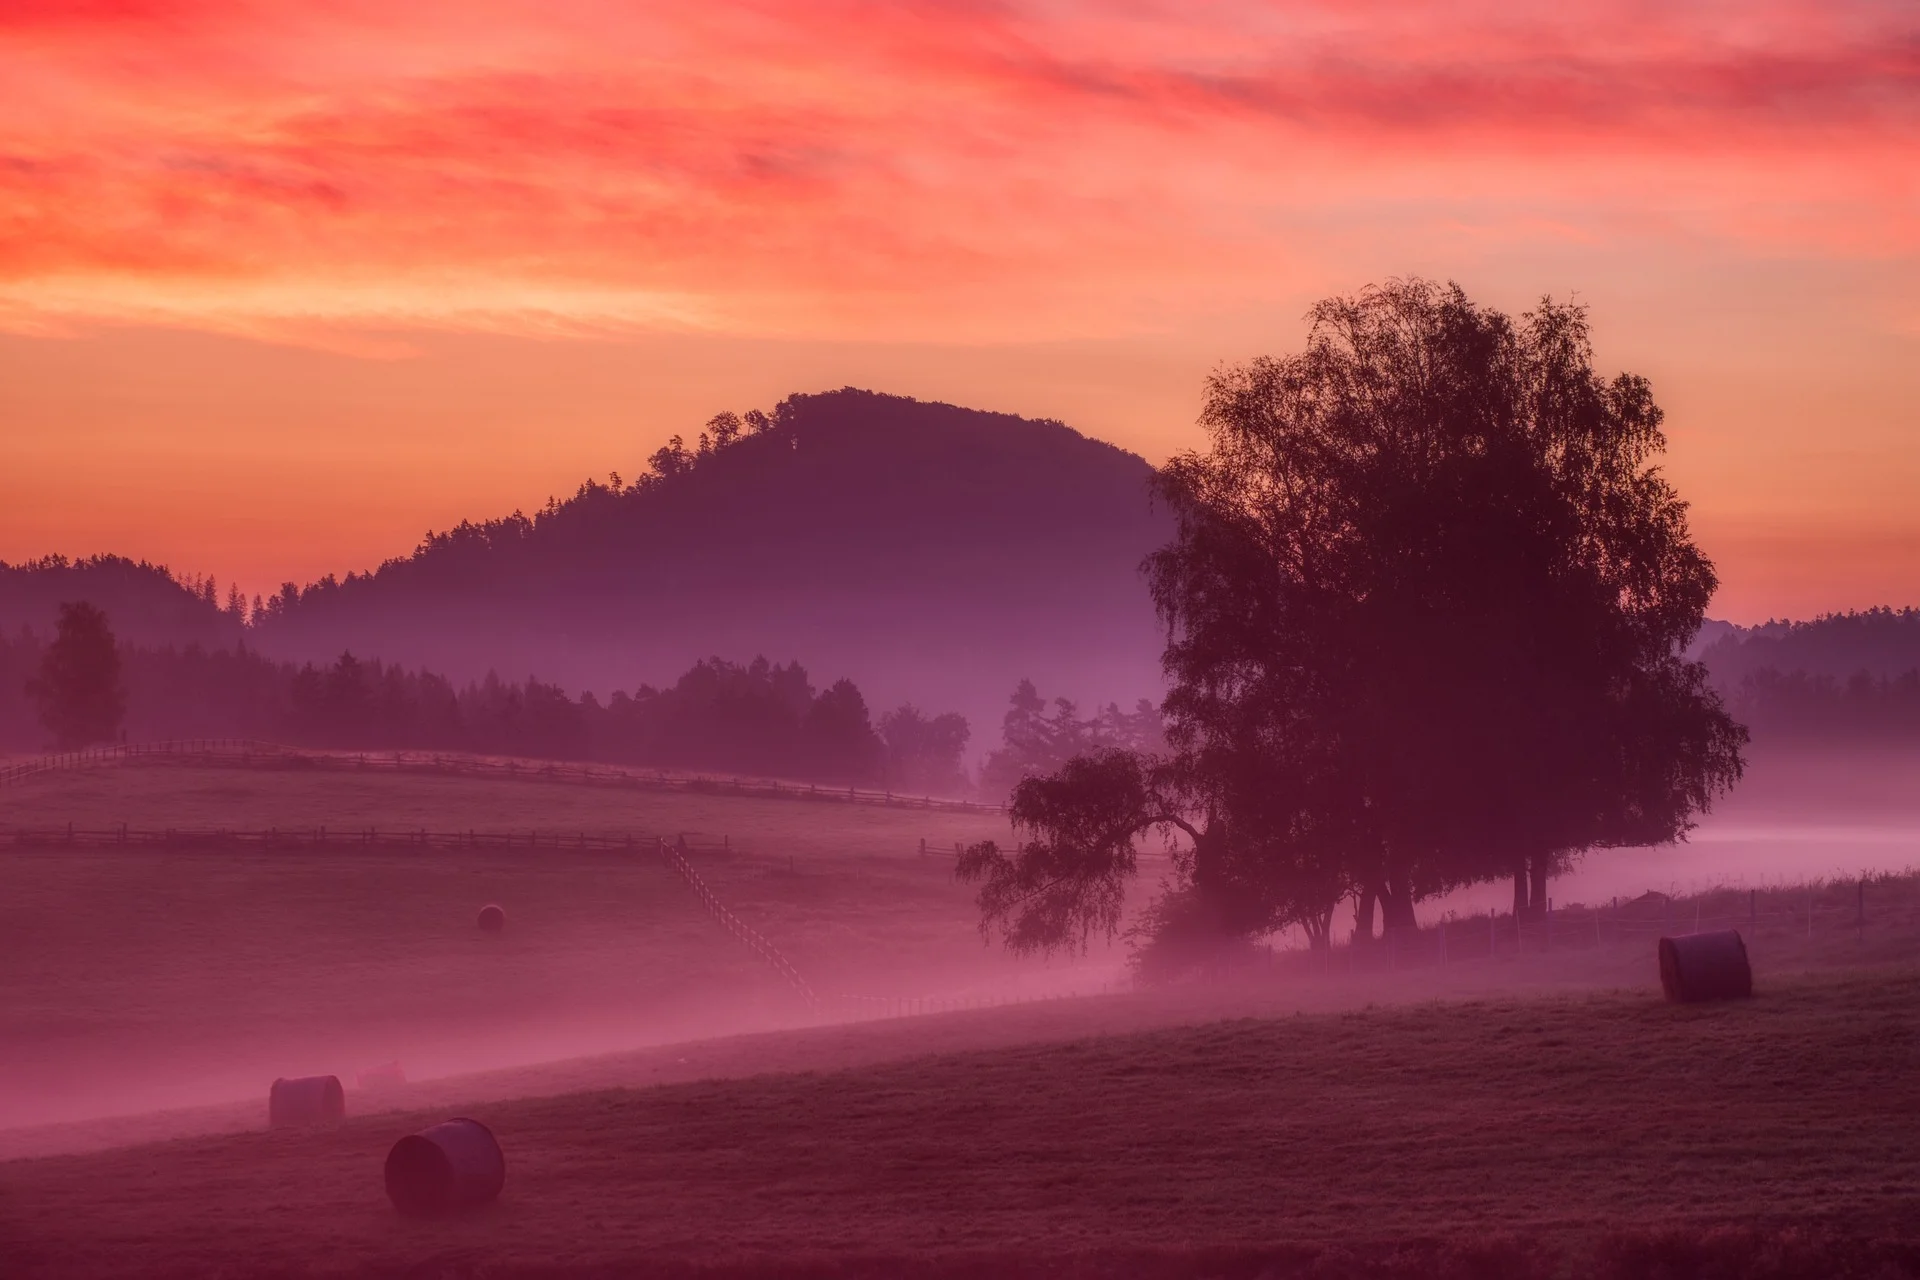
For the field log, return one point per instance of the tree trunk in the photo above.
(1520, 884)
(1363, 916)
(1319, 929)
(1539, 865)
(1396, 910)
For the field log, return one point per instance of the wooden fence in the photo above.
(243, 753)
(342, 838)
(1495, 936)
(750, 938)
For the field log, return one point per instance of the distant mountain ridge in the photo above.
(933, 553)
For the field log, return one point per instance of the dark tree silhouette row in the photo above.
(761, 718)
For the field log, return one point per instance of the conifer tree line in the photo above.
(79, 688)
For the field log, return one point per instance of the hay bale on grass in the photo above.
(454, 1165)
(305, 1100)
(1705, 966)
(492, 918)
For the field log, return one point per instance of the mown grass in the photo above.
(1554, 1124)
(138, 979)
(188, 797)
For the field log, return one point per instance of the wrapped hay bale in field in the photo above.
(454, 1165)
(492, 918)
(1705, 966)
(305, 1100)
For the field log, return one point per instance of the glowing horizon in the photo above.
(280, 288)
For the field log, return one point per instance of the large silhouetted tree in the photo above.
(78, 686)
(1426, 606)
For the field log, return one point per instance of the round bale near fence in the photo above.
(1705, 966)
(492, 918)
(305, 1100)
(452, 1166)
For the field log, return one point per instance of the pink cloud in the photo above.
(998, 167)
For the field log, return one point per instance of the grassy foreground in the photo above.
(1604, 1134)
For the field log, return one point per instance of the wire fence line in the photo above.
(676, 858)
(251, 753)
(124, 836)
(1496, 936)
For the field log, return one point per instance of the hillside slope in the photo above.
(146, 603)
(930, 552)
(1606, 1135)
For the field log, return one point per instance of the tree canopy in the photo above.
(78, 686)
(1426, 604)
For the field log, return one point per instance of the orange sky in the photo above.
(281, 285)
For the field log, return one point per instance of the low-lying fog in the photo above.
(120, 1007)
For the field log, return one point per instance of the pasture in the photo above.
(133, 979)
(1558, 1135)
(666, 1103)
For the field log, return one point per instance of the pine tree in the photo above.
(79, 689)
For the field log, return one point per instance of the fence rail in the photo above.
(248, 753)
(73, 837)
(746, 935)
(1495, 936)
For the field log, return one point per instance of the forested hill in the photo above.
(148, 605)
(1843, 677)
(1882, 643)
(934, 553)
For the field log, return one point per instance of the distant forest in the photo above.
(1852, 677)
(192, 670)
(759, 718)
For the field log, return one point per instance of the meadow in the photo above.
(1549, 1135)
(668, 1106)
(135, 979)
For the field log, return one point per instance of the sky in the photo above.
(282, 286)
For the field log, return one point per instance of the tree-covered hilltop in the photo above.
(149, 603)
(942, 553)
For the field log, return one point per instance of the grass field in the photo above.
(1557, 1123)
(137, 979)
(1531, 1114)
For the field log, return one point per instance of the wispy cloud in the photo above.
(872, 169)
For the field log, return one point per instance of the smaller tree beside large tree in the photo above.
(79, 690)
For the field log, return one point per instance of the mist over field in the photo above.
(942, 642)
